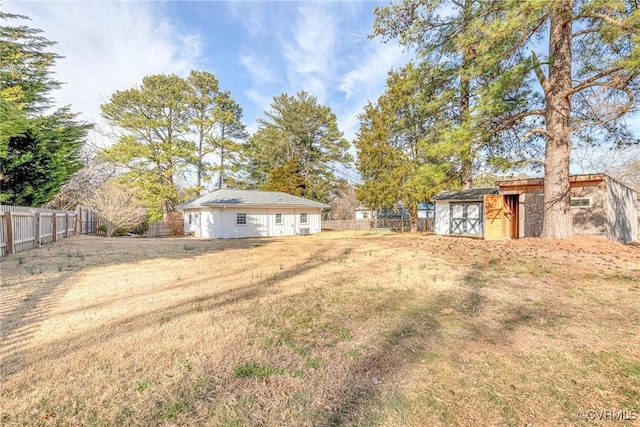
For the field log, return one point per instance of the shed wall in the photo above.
(442, 217)
(531, 213)
(590, 220)
(621, 212)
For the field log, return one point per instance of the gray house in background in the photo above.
(601, 206)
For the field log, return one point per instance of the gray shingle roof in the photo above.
(230, 197)
(473, 194)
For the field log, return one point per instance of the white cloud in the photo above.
(366, 81)
(251, 15)
(108, 46)
(311, 53)
(372, 69)
(259, 70)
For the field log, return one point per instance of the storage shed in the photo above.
(461, 213)
(230, 213)
(601, 206)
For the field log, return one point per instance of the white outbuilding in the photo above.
(230, 213)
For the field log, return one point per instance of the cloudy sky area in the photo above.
(257, 50)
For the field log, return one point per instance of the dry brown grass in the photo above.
(331, 329)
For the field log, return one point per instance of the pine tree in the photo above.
(216, 119)
(297, 128)
(580, 85)
(154, 148)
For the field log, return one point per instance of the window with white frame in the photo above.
(279, 219)
(190, 220)
(304, 218)
(241, 219)
(581, 202)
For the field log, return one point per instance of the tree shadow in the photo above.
(25, 305)
(22, 322)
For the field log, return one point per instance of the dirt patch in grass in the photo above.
(331, 329)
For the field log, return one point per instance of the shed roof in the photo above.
(244, 198)
(462, 195)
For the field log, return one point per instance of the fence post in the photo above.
(66, 224)
(54, 227)
(89, 230)
(38, 231)
(9, 222)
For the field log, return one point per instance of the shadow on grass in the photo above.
(27, 316)
(24, 306)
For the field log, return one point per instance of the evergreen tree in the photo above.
(422, 25)
(297, 130)
(204, 90)
(580, 85)
(216, 119)
(154, 148)
(229, 142)
(401, 155)
(39, 152)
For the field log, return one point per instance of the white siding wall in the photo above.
(221, 223)
(442, 217)
(191, 223)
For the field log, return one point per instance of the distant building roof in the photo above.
(468, 195)
(245, 198)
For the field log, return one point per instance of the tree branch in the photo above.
(610, 20)
(534, 131)
(538, 70)
(583, 32)
(506, 124)
(593, 80)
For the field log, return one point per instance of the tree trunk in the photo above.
(199, 166)
(413, 216)
(221, 171)
(558, 220)
(466, 169)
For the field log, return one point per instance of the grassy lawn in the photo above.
(332, 329)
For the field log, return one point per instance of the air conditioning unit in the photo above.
(304, 231)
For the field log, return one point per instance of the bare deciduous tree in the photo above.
(117, 205)
(621, 163)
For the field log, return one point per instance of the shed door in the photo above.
(466, 218)
(493, 216)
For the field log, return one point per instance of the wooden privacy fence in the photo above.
(23, 228)
(397, 224)
(87, 221)
(158, 229)
(346, 224)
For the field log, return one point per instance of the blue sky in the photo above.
(257, 49)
